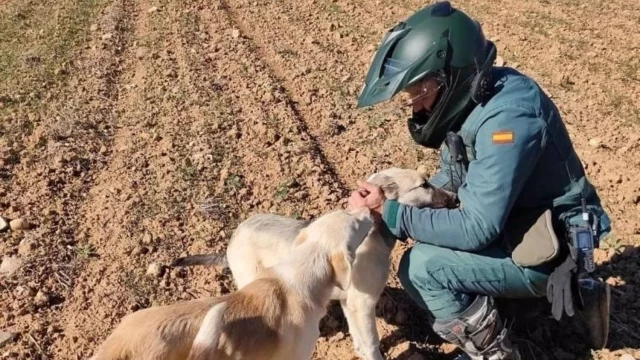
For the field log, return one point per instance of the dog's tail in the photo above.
(203, 259)
(206, 340)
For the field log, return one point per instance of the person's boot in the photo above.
(479, 332)
(593, 318)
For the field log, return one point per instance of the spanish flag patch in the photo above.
(502, 137)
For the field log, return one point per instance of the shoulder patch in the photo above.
(502, 137)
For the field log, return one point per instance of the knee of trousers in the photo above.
(418, 265)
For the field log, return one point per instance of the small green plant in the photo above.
(282, 192)
(85, 251)
(288, 52)
(189, 170)
(612, 242)
(334, 8)
(235, 182)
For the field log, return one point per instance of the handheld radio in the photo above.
(583, 239)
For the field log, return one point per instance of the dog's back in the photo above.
(247, 324)
(164, 332)
(260, 242)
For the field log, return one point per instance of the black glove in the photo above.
(563, 285)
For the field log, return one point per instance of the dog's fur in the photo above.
(262, 239)
(275, 316)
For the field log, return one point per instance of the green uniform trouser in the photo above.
(445, 281)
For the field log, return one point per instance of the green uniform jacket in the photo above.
(520, 156)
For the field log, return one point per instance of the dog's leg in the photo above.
(353, 325)
(206, 341)
(363, 311)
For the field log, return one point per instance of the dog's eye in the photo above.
(426, 185)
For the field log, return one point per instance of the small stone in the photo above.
(268, 97)
(26, 247)
(9, 265)
(4, 225)
(595, 142)
(24, 291)
(103, 150)
(154, 270)
(147, 239)
(19, 224)
(93, 28)
(153, 9)
(41, 299)
(141, 52)
(500, 61)
(233, 133)
(107, 36)
(627, 357)
(235, 33)
(6, 337)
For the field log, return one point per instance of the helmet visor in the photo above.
(424, 93)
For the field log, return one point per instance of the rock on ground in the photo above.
(4, 225)
(6, 337)
(9, 265)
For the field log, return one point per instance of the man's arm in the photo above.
(508, 145)
(440, 179)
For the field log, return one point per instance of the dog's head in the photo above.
(339, 234)
(411, 187)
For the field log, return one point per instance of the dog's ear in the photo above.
(418, 197)
(387, 185)
(341, 263)
(422, 170)
(429, 196)
(302, 237)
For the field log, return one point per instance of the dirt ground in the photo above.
(136, 131)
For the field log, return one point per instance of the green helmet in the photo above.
(437, 41)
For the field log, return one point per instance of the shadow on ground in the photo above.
(536, 332)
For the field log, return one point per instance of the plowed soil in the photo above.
(136, 131)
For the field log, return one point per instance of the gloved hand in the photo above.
(563, 284)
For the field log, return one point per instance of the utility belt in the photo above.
(534, 237)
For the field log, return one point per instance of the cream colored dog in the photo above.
(275, 316)
(261, 240)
